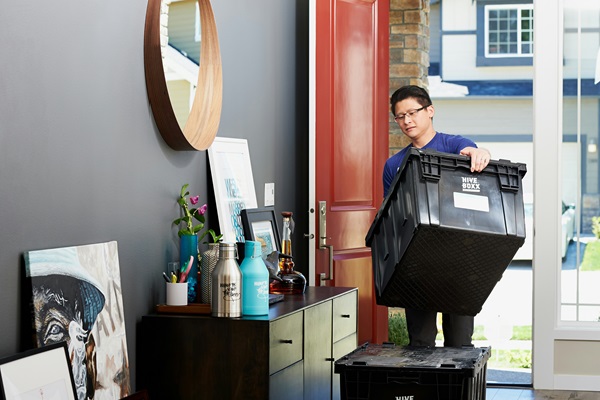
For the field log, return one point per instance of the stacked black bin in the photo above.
(386, 372)
(443, 236)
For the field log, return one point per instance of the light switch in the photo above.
(269, 194)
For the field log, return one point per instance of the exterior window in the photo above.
(509, 30)
(580, 269)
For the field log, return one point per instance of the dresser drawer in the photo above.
(345, 346)
(344, 315)
(285, 341)
(288, 383)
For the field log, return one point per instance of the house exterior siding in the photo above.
(182, 31)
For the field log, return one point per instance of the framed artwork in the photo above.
(260, 225)
(76, 298)
(42, 373)
(233, 184)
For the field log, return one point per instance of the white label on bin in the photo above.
(471, 202)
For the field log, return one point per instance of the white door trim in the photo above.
(312, 150)
(547, 135)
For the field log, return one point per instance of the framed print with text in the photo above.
(233, 184)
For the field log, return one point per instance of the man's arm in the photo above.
(388, 177)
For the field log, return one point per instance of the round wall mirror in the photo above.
(183, 67)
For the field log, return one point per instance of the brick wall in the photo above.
(409, 54)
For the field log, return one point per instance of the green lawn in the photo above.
(591, 257)
(521, 332)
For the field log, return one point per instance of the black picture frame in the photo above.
(44, 369)
(260, 224)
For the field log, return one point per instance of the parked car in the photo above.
(568, 226)
(567, 234)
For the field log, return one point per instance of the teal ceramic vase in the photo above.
(188, 246)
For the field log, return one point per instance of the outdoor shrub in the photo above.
(514, 359)
(397, 332)
(596, 226)
(520, 358)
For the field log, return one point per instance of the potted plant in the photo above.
(189, 235)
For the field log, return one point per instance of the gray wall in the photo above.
(81, 160)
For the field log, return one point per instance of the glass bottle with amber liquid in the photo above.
(290, 281)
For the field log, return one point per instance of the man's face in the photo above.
(414, 124)
(58, 318)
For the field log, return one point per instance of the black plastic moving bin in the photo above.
(387, 372)
(444, 236)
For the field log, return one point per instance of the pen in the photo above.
(166, 278)
(173, 278)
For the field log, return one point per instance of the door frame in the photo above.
(312, 134)
(548, 329)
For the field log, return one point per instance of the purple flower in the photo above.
(194, 200)
(202, 209)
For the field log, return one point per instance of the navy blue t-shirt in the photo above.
(441, 142)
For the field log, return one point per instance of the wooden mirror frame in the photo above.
(203, 121)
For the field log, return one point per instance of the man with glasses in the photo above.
(413, 111)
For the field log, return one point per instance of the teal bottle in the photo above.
(255, 281)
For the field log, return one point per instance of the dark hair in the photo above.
(410, 91)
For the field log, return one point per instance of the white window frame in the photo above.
(548, 329)
(518, 8)
(197, 28)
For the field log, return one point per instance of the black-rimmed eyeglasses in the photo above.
(411, 114)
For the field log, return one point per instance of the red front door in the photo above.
(352, 95)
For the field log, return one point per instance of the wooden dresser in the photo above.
(288, 354)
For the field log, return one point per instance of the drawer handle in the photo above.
(345, 315)
(330, 359)
(286, 341)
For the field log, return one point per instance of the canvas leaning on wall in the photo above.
(76, 297)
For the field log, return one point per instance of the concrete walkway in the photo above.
(509, 304)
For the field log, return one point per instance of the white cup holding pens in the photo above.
(177, 294)
(177, 286)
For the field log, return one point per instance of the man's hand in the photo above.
(479, 157)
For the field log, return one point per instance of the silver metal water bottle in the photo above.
(226, 284)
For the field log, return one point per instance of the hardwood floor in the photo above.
(530, 394)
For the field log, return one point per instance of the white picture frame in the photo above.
(233, 184)
(41, 373)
